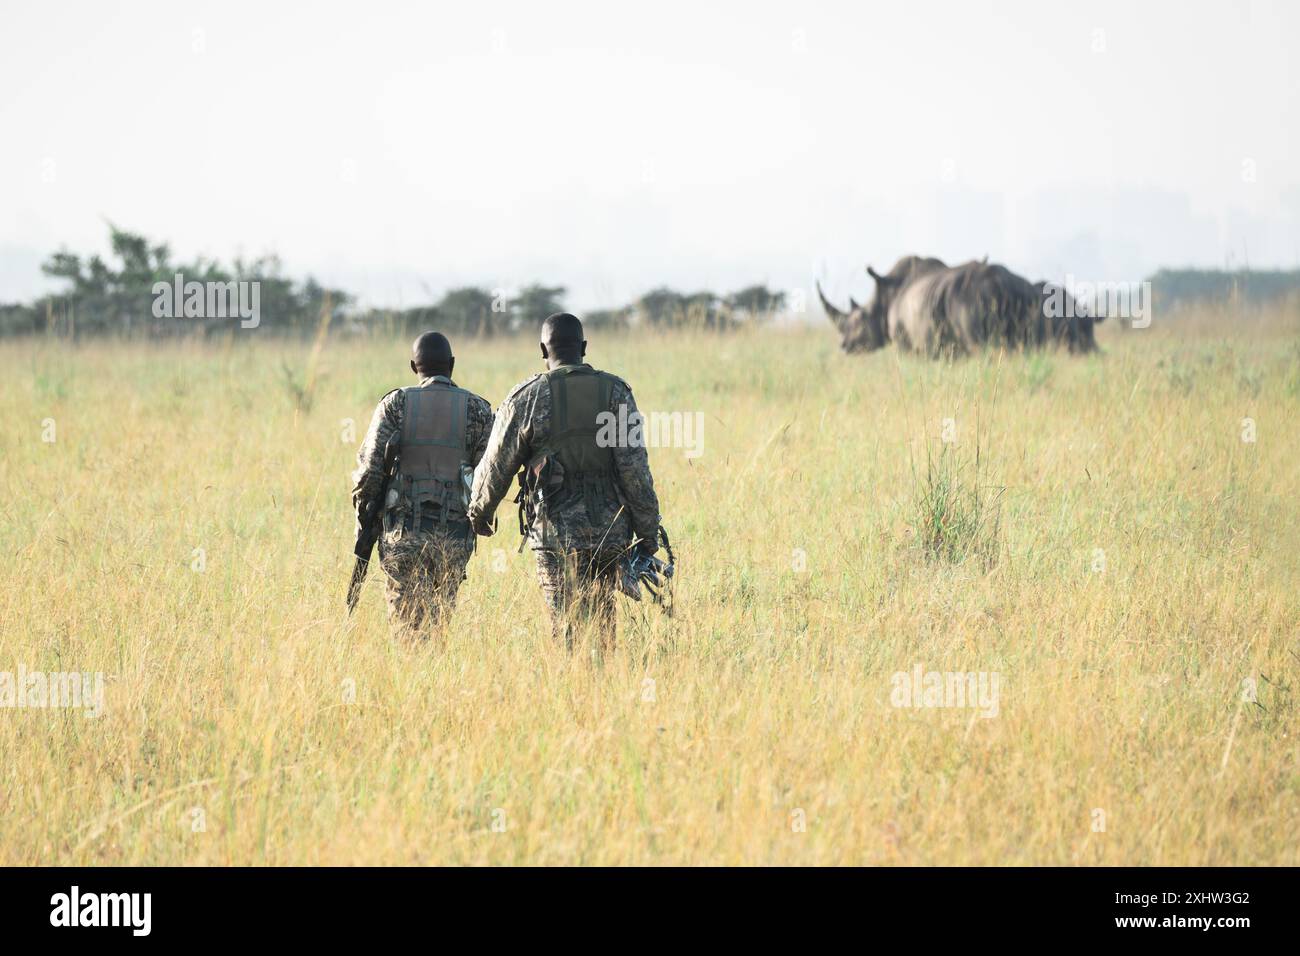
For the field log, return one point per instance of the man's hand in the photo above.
(481, 525)
(647, 546)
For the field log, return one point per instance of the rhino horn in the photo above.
(835, 314)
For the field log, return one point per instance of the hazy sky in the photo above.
(398, 149)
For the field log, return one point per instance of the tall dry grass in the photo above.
(1145, 569)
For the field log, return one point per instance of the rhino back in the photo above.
(980, 304)
(914, 323)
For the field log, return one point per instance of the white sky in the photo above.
(399, 149)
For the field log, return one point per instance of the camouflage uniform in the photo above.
(423, 550)
(585, 521)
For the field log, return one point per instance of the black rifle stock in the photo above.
(371, 523)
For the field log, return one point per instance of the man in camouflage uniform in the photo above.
(442, 432)
(588, 495)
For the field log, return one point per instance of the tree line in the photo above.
(116, 296)
(1172, 288)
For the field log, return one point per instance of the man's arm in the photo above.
(507, 450)
(632, 471)
(384, 424)
(478, 429)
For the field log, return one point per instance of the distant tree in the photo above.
(118, 297)
(1176, 287)
(472, 311)
(606, 319)
(114, 294)
(757, 300)
(410, 322)
(534, 303)
(286, 305)
(18, 319)
(108, 298)
(703, 303)
(666, 308)
(661, 306)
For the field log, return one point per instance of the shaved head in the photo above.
(431, 354)
(562, 329)
(562, 341)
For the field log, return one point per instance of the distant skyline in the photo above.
(397, 150)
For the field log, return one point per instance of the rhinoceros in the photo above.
(923, 305)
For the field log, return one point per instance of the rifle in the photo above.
(370, 522)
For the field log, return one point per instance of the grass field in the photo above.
(1132, 580)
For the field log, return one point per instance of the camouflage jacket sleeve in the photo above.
(384, 424)
(508, 448)
(632, 472)
(477, 429)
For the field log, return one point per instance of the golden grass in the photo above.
(710, 738)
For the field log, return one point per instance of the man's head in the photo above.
(431, 355)
(562, 341)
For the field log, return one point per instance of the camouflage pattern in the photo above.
(579, 587)
(424, 566)
(522, 429)
(574, 546)
(423, 570)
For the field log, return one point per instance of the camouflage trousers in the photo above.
(423, 571)
(579, 589)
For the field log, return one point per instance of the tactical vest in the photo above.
(579, 393)
(434, 458)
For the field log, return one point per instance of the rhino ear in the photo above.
(880, 280)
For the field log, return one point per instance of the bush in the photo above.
(956, 516)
